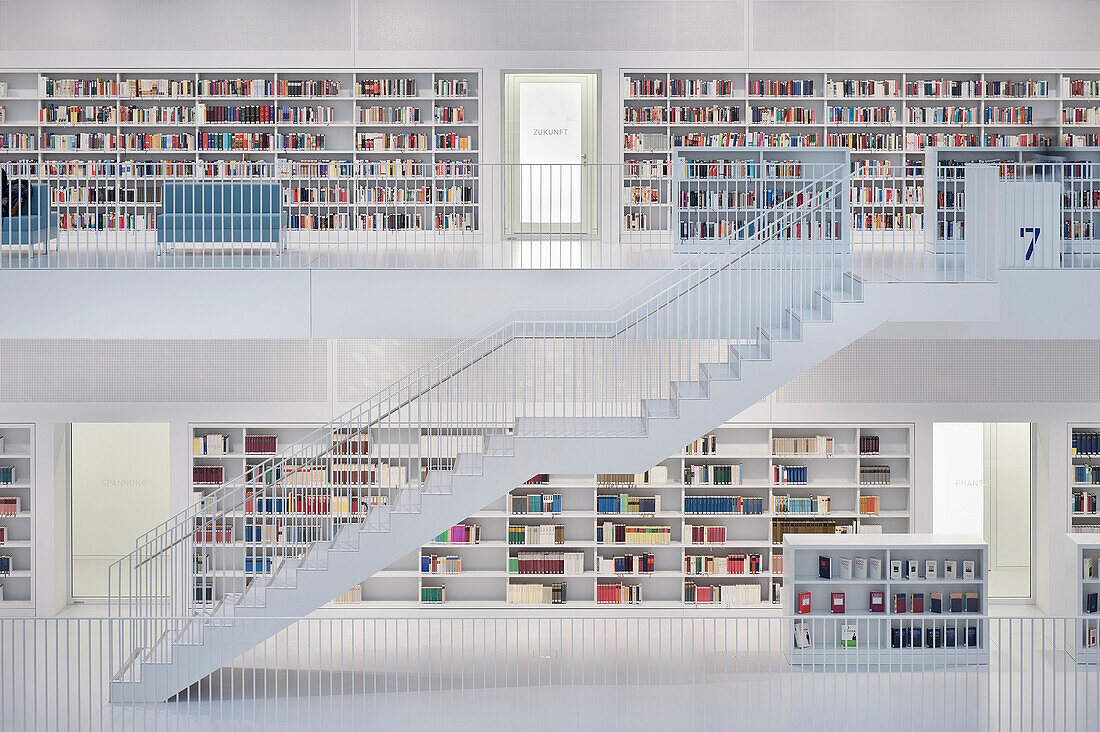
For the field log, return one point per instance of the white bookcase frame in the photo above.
(483, 581)
(1083, 519)
(1080, 547)
(18, 452)
(907, 164)
(26, 97)
(873, 629)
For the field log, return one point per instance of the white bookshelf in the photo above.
(85, 171)
(17, 452)
(892, 119)
(1084, 557)
(1084, 493)
(484, 576)
(879, 635)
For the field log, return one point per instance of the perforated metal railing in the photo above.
(609, 669)
(560, 373)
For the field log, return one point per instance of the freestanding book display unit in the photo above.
(901, 599)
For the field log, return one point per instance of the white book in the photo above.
(658, 474)
(949, 566)
(801, 635)
(968, 569)
(1089, 568)
(846, 568)
(874, 568)
(896, 569)
(859, 568)
(912, 570)
(931, 568)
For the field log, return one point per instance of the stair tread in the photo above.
(779, 333)
(809, 315)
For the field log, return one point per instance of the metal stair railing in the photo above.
(579, 372)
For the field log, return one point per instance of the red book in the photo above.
(803, 603)
(877, 602)
(837, 603)
(899, 602)
(916, 602)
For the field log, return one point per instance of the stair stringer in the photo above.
(714, 402)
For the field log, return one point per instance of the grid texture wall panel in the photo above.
(953, 371)
(363, 366)
(563, 26)
(163, 371)
(787, 24)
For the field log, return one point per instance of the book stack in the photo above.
(460, 534)
(731, 564)
(705, 445)
(627, 564)
(208, 474)
(869, 505)
(870, 528)
(724, 504)
(800, 446)
(624, 503)
(618, 594)
(713, 474)
(436, 595)
(547, 563)
(7, 474)
(530, 594)
(433, 564)
(700, 534)
(612, 533)
(541, 534)
(801, 504)
(789, 474)
(794, 88)
(537, 503)
(874, 475)
(260, 444)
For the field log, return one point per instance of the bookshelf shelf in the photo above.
(17, 481)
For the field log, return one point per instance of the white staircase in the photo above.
(701, 345)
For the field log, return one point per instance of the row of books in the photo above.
(749, 505)
(869, 505)
(1081, 199)
(874, 474)
(391, 87)
(247, 169)
(608, 532)
(208, 474)
(546, 563)
(156, 88)
(307, 87)
(434, 564)
(1085, 443)
(627, 564)
(942, 115)
(536, 594)
(887, 221)
(210, 444)
(460, 534)
(540, 534)
(790, 474)
(784, 115)
(951, 199)
(739, 169)
(702, 534)
(9, 505)
(734, 564)
(871, 568)
(801, 504)
(818, 445)
(106, 221)
(791, 88)
(7, 474)
(705, 445)
(260, 444)
(862, 115)
(1084, 502)
(958, 602)
(734, 595)
(781, 528)
(624, 503)
(863, 88)
(887, 195)
(618, 594)
(708, 474)
(536, 503)
(433, 595)
(742, 229)
(6, 564)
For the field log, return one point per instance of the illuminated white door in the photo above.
(550, 133)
